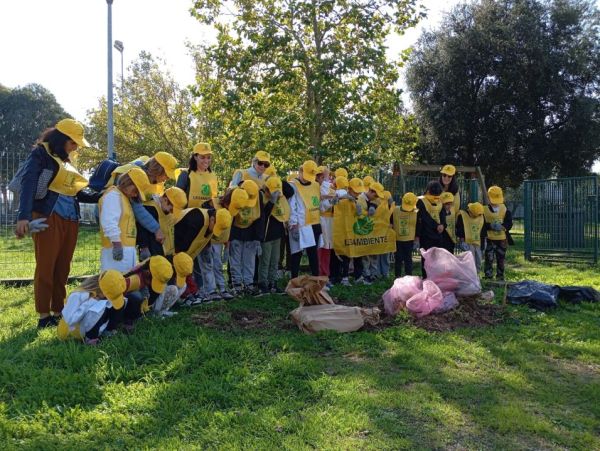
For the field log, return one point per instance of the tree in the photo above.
(304, 79)
(152, 113)
(512, 86)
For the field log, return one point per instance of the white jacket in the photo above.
(81, 308)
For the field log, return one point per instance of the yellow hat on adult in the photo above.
(239, 200)
(495, 194)
(475, 208)
(309, 170)
(448, 169)
(222, 221)
(409, 201)
(446, 197)
(140, 179)
(252, 189)
(341, 182)
(112, 283)
(368, 180)
(202, 149)
(184, 266)
(357, 185)
(161, 271)
(261, 155)
(273, 184)
(73, 130)
(177, 197)
(341, 172)
(378, 188)
(168, 162)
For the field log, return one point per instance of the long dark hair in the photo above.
(193, 166)
(56, 142)
(452, 187)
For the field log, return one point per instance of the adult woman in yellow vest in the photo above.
(198, 181)
(305, 222)
(256, 171)
(118, 231)
(448, 217)
(404, 220)
(469, 224)
(49, 210)
(496, 227)
(449, 184)
(430, 225)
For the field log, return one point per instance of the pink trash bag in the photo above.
(424, 302)
(401, 291)
(456, 274)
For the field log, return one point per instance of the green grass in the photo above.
(530, 383)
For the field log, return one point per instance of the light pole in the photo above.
(119, 46)
(111, 137)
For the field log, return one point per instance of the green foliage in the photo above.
(304, 80)
(512, 86)
(152, 113)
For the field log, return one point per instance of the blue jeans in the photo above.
(242, 260)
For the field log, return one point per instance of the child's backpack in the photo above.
(102, 174)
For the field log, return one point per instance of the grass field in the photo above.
(531, 382)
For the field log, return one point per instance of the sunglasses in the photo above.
(264, 164)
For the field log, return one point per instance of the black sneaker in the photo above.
(48, 321)
(263, 291)
(276, 290)
(252, 290)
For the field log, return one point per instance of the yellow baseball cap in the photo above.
(261, 155)
(270, 171)
(239, 199)
(495, 194)
(447, 197)
(341, 182)
(378, 188)
(140, 179)
(321, 169)
(309, 170)
(341, 172)
(184, 266)
(112, 283)
(273, 184)
(357, 185)
(476, 209)
(448, 170)
(168, 162)
(368, 181)
(387, 195)
(73, 130)
(177, 197)
(63, 332)
(251, 188)
(291, 176)
(409, 202)
(223, 221)
(161, 271)
(202, 149)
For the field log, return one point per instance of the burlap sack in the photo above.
(308, 290)
(341, 318)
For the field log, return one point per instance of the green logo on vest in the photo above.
(363, 226)
(315, 201)
(205, 190)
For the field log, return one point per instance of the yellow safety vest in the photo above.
(67, 180)
(281, 210)
(247, 176)
(311, 198)
(167, 225)
(472, 227)
(495, 218)
(203, 186)
(432, 209)
(405, 224)
(200, 240)
(156, 188)
(126, 221)
(451, 224)
(247, 215)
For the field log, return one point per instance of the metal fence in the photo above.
(561, 219)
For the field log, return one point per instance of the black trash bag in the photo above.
(576, 295)
(536, 294)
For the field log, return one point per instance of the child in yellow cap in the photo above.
(404, 221)
(448, 217)
(469, 224)
(496, 228)
(430, 225)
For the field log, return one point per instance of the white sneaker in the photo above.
(346, 282)
(362, 280)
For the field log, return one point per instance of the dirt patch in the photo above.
(236, 319)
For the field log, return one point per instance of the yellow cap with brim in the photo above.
(202, 149)
(63, 332)
(309, 170)
(409, 202)
(161, 271)
(495, 194)
(476, 209)
(177, 197)
(368, 181)
(168, 162)
(222, 221)
(140, 179)
(356, 185)
(261, 155)
(273, 184)
(378, 188)
(73, 130)
(321, 169)
(112, 284)
(446, 197)
(341, 172)
(448, 170)
(387, 195)
(252, 189)
(184, 266)
(239, 200)
(270, 171)
(291, 176)
(341, 182)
